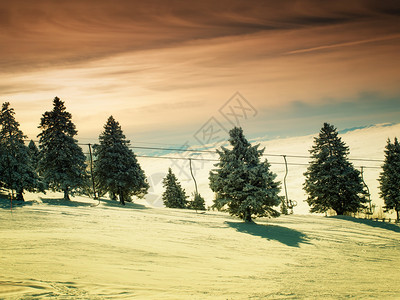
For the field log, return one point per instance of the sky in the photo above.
(174, 72)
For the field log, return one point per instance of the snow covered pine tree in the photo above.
(116, 168)
(174, 195)
(390, 177)
(242, 183)
(62, 162)
(198, 202)
(331, 180)
(34, 154)
(16, 169)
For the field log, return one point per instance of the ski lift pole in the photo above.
(191, 172)
(11, 197)
(91, 170)
(366, 186)
(288, 204)
(10, 182)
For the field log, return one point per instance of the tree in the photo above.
(16, 169)
(174, 195)
(331, 180)
(243, 183)
(116, 168)
(62, 162)
(33, 153)
(198, 202)
(390, 177)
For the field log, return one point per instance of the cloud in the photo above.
(45, 33)
(174, 64)
(300, 117)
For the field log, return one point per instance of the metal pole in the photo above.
(91, 170)
(191, 172)
(366, 186)
(288, 204)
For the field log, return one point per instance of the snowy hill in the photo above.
(52, 249)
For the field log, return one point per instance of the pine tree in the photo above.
(174, 195)
(116, 168)
(331, 180)
(198, 202)
(284, 209)
(242, 182)
(16, 169)
(390, 177)
(62, 162)
(33, 153)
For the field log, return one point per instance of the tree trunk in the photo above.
(339, 212)
(121, 198)
(112, 196)
(397, 216)
(20, 195)
(247, 216)
(66, 194)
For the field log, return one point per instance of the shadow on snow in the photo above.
(5, 202)
(63, 202)
(284, 235)
(387, 226)
(115, 203)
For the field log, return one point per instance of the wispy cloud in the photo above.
(346, 44)
(175, 63)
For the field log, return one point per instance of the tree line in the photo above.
(243, 184)
(59, 163)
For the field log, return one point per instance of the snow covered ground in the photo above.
(52, 249)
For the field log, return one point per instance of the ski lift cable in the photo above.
(215, 152)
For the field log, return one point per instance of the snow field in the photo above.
(52, 249)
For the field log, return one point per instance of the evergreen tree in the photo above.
(62, 162)
(390, 177)
(16, 169)
(284, 209)
(198, 202)
(331, 180)
(116, 168)
(33, 153)
(174, 195)
(242, 182)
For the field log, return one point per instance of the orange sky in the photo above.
(164, 68)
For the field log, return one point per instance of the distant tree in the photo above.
(390, 177)
(174, 195)
(284, 209)
(198, 202)
(16, 169)
(331, 180)
(62, 162)
(243, 183)
(116, 168)
(33, 153)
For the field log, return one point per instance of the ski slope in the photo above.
(52, 249)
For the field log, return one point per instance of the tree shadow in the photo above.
(63, 202)
(5, 202)
(284, 235)
(115, 203)
(383, 225)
